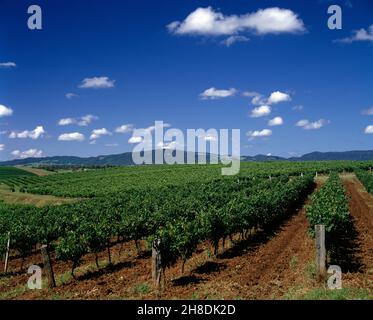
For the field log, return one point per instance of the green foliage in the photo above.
(71, 248)
(13, 172)
(366, 179)
(329, 207)
(142, 288)
(181, 206)
(180, 216)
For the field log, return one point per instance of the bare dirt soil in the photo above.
(359, 269)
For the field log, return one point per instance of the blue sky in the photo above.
(124, 64)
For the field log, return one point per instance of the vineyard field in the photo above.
(101, 182)
(197, 218)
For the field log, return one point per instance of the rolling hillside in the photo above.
(125, 159)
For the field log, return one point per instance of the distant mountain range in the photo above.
(317, 156)
(125, 159)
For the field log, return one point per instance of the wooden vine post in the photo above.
(7, 254)
(156, 264)
(48, 266)
(320, 251)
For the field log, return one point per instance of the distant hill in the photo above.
(125, 159)
(344, 155)
(317, 156)
(261, 157)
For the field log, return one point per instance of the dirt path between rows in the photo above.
(361, 210)
(267, 267)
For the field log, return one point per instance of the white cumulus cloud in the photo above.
(213, 93)
(234, 39)
(86, 120)
(31, 153)
(276, 121)
(260, 111)
(33, 134)
(315, 125)
(66, 121)
(369, 129)
(137, 135)
(208, 22)
(257, 98)
(97, 133)
(277, 97)
(7, 64)
(82, 121)
(97, 83)
(359, 35)
(5, 111)
(259, 133)
(302, 123)
(274, 98)
(135, 139)
(368, 112)
(71, 95)
(307, 125)
(72, 136)
(2, 147)
(125, 128)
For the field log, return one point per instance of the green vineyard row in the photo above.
(366, 179)
(329, 206)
